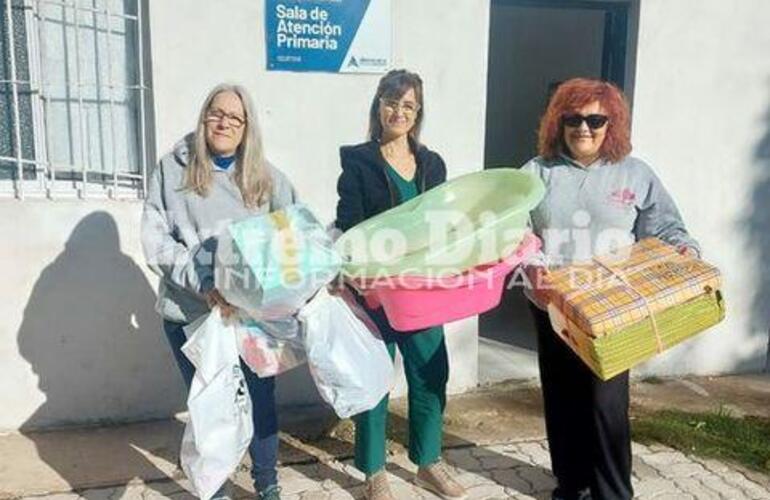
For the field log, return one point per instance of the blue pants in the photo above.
(264, 445)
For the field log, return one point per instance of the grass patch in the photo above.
(713, 435)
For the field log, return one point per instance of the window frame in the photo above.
(46, 184)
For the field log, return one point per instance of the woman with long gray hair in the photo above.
(214, 175)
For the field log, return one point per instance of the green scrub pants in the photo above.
(426, 367)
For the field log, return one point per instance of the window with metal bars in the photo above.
(72, 99)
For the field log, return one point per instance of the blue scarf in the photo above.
(223, 162)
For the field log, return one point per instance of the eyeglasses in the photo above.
(220, 116)
(408, 108)
(593, 121)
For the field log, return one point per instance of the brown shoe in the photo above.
(438, 479)
(378, 488)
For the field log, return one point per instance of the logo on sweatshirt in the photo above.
(624, 197)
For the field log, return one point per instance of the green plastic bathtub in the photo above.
(471, 220)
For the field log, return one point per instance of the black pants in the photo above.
(586, 420)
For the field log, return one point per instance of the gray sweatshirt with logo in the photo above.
(588, 211)
(180, 228)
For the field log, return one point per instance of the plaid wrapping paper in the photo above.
(598, 302)
(625, 348)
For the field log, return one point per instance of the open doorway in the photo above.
(533, 46)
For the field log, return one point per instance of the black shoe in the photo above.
(561, 494)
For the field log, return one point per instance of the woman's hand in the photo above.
(687, 251)
(215, 299)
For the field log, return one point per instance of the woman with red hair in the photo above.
(597, 198)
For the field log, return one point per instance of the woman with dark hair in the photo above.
(595, 193)
(389, 169)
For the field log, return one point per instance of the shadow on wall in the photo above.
(757, 226)
(92, 337)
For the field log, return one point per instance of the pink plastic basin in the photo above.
(415, 303)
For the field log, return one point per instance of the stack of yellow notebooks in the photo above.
(625, 308)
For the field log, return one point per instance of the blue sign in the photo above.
(345, 36)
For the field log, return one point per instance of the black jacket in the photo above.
(364, 187)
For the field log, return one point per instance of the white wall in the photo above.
(702, 119)
(79, 340)
(305, 117)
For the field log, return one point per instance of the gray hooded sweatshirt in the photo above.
(180, 227)
(589, 211)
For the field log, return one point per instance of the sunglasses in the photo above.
(593, 121)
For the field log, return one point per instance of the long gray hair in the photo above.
(251, 174)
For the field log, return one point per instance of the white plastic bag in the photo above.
(266, 355)
(349, 362)
(220, 427)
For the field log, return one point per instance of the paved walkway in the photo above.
(493, 436)
(513, 471)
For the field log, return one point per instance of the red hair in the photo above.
(572, 95)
